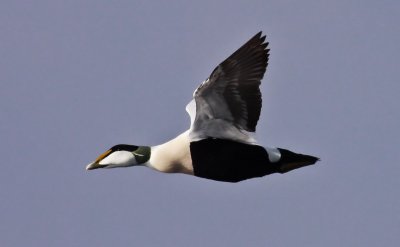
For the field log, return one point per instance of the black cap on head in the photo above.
(124, 147)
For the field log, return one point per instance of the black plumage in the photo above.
(230, 161)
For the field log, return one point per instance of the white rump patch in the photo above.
(273, 154)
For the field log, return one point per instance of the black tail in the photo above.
(290, 160)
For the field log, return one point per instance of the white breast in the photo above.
(172, 156)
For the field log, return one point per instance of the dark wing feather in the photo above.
(236, 82)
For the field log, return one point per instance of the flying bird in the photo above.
(220, 143)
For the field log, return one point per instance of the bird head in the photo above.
(121, 155)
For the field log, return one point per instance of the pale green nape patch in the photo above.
(142, 154)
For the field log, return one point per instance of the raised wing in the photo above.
(230, 99)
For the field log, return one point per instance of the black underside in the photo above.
(229, 161)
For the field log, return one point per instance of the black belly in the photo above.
(229, 161)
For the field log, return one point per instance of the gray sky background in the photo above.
(77, 77)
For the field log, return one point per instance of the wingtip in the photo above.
(260, 35)
(260, 38)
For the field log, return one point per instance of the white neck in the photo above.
(172, 156)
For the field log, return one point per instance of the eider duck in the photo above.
(220, 143)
